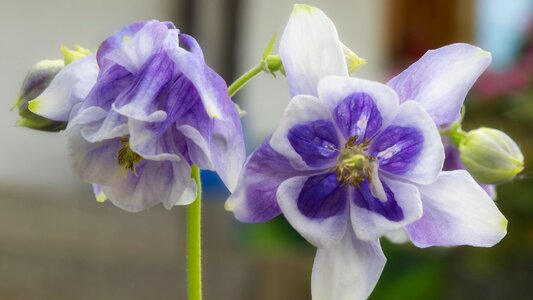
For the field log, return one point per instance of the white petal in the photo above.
(431, 158)
(457, 211)
(334, 89)
(324, 232)
(369, 225)
(69, 87)
(441, 79)
(348, 271)
(301, 109)
(310, 50)
(398, 236)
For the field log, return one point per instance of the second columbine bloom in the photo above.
(140, 112)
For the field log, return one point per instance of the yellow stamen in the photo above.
(126, 157)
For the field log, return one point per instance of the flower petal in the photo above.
(333, 90)
(168, 182)
(254, 199)
(411, 146)
(306, 117)
(358, 115)
(99, 193)
(457, 212)
(349, 270)
(134, 50)
(440, 80)
(69, 87)
(373, 218)
(316, 207)
(310, 50)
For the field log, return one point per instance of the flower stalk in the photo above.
(194, 240)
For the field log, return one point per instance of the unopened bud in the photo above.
(71, 55)
(36, 81)
(491, 156)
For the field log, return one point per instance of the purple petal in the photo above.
(303, 111)
(397, 148)
(167, 182)
(410, 147)
(348, 270)
(362, 197)
(141, 100)
(318, 213)
(133, 51)
(440, 80)
(457, 212)
(115, 40)
(333, 90)
(322, 197)
(358, 115)
(316, 142)
(372, 218)
(254, 199)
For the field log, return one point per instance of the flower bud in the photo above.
(491, 156)
(36, 81)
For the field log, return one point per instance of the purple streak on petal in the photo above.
(390, 209)
(316, 142)
(397, 148)
(358, 115)
(140, 101)
(255, 196)
(322, 196)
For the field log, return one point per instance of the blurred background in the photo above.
(57, 242)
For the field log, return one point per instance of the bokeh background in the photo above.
(57, 243)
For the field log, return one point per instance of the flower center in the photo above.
(354, 165)
(126, 157)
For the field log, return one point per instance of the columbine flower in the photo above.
(151, 109)
(349, 164)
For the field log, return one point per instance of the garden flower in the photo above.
(350, 162)
(147, 108)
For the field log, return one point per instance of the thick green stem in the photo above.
(241, 81)
(194, 240)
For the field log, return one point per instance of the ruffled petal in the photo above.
(132, 51)
(152, 182)
(333, 90)
(254, 199)
(411, 146)
(349, 270)
(310, 50)
(69, 87)
(457, 212)
(372, 218)
(306, 134)
(440, 80)
(316, 206)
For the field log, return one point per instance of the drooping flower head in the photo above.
(140, 112)
(352, 161)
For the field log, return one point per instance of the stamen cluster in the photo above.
(354, 165)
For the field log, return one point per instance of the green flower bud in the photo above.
(491, 156)
(36, 81)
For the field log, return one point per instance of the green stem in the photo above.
(241, 81)
(194, 240)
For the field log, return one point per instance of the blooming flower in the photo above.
(140, 112)
(352, 161)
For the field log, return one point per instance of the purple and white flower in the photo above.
(140, 112)
(353, 161)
